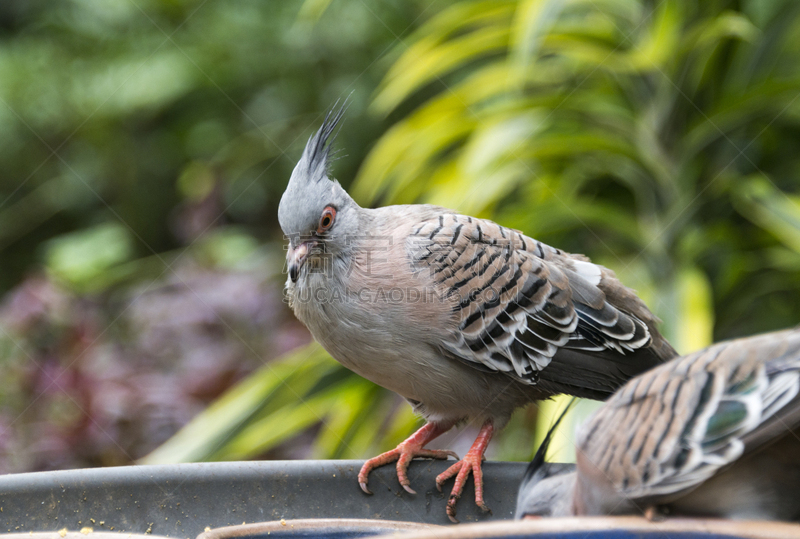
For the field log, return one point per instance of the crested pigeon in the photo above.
(466, 319)
(713, 433)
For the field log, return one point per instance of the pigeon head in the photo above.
(315, 213)
(550, 496)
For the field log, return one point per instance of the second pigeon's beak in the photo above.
(296, 257)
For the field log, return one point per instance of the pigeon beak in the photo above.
(296, 257)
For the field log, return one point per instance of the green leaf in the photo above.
(532, 21)
(279, 384)
(695, 319)
(84, 259)
(433, 54)
(312, 10)
(778, 212)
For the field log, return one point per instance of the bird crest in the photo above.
(314, 164)
(536, 470)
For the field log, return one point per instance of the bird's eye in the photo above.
(326, 220)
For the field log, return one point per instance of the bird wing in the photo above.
(671, 428)
(518, 302)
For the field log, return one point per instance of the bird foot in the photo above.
(461, 469)
(403, 454)
(655, 514)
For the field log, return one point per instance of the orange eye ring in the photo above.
(326, 220)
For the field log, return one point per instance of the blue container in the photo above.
(615, 528)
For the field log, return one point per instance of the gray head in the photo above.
(549, 495)
(315, 213)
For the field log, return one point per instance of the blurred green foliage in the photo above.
(657, 137)
(649, 136)
(136, 112)
(144, 146)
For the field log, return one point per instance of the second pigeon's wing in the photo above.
(671, 428)
(524, 308)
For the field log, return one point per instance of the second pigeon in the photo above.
(713, 434)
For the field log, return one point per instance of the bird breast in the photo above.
(377, 318)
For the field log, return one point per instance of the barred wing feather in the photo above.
(518, 302)
(672, 428)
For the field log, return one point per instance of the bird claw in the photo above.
(403, 454)
(461, 469)
(451, 508)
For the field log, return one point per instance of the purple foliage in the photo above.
(103, 380)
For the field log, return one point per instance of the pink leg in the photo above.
(407, 450)
(470, 463)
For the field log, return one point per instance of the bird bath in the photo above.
(185, 500)
(182, 500)
(327, 528)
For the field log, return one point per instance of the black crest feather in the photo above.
(316, 156)
(538, 461)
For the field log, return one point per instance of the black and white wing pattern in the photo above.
(672, 428)
(519, 302)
